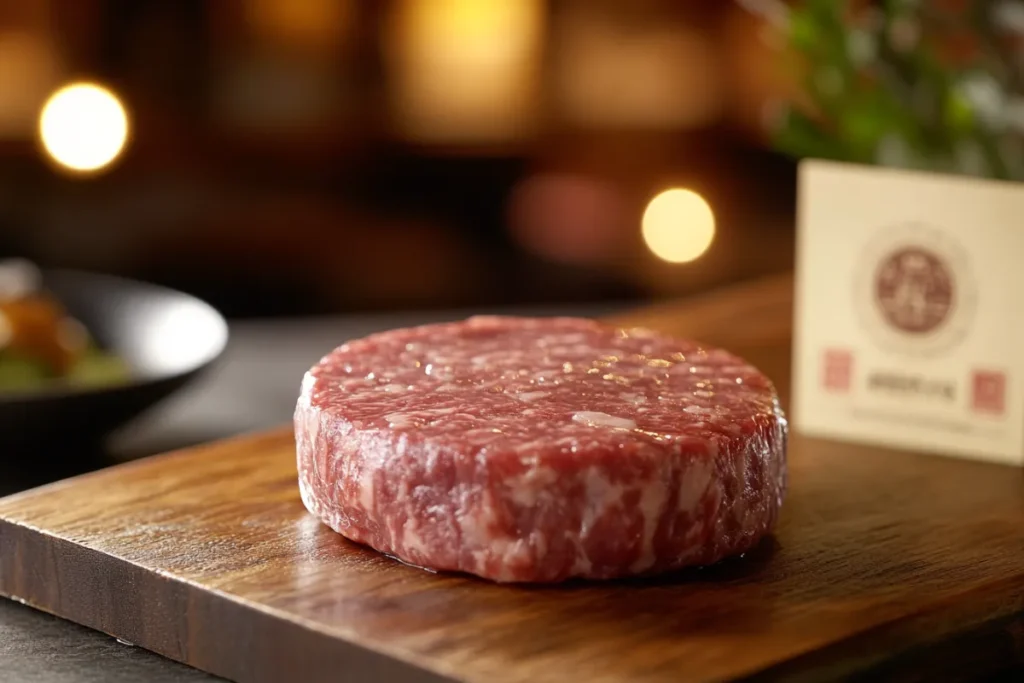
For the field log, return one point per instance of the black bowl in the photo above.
(166, 337)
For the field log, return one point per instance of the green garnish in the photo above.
(95, 368)
(17, 374)
(98, 368)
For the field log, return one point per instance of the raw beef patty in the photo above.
(535, 450)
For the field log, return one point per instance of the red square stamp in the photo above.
(837, 372)
(988, 392)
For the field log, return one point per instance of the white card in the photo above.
(909, 320)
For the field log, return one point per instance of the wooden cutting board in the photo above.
(885, 565)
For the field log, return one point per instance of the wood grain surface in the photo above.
(885, 566)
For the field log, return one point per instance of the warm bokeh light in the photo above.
(568, 218)
(83, 127)
(317, 26)
(658, 75)
(678, 225)
(464, 71)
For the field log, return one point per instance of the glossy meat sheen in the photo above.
(541, 449)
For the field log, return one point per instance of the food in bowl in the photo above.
(41, 344)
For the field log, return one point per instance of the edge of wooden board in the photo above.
(196, 640)
(991, 628)
(929, 645)
(76, 564)
(989, 622)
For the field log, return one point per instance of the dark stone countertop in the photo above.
(39, 647)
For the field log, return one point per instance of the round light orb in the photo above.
(678, 225)
(83, 127)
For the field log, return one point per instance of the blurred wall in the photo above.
(331, 155)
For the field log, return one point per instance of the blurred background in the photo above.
(277, 157)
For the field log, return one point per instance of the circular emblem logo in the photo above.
(915, 292)
(914, 288)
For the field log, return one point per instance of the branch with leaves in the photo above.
(926, 84)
